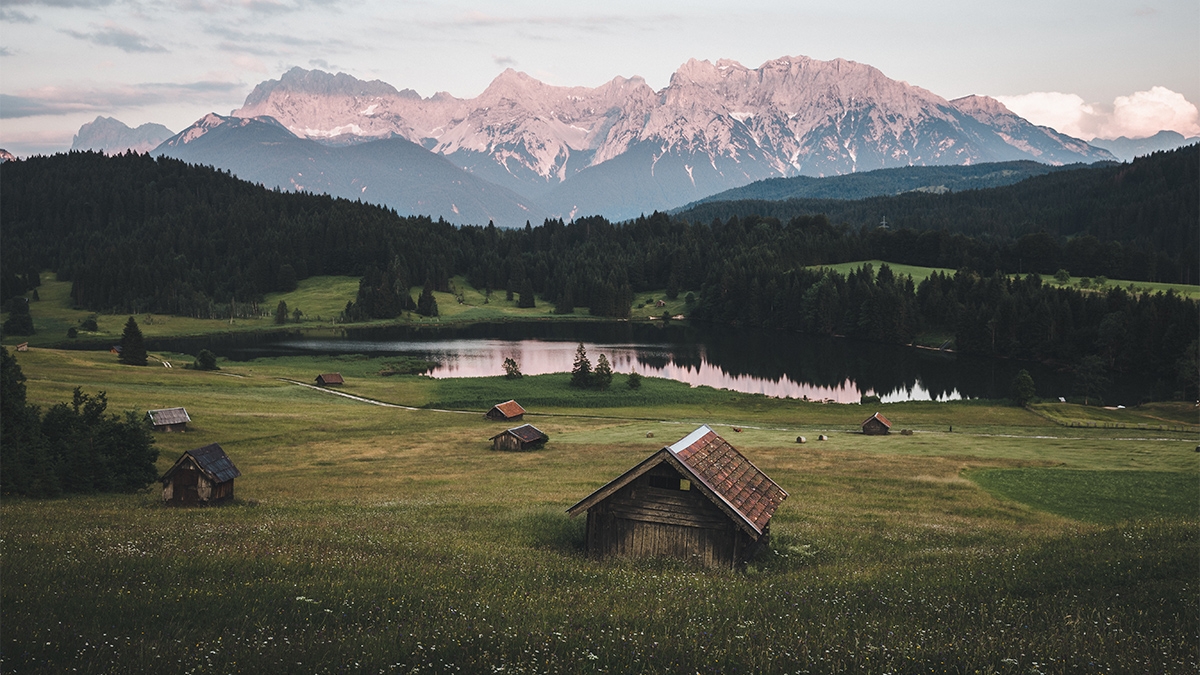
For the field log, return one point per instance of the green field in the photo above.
(919, 274)
(320, 299)
(368, 538)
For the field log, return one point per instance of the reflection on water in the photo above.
(484, 357)
(752, 361)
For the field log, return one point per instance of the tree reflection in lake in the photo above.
(752, 361)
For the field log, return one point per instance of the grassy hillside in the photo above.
(919, 274)
(370, 538)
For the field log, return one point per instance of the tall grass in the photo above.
(374, 539)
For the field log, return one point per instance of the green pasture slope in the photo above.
(320, 300)
(919, 274)
(369, 538)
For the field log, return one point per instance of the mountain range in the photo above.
(111, 136)
(524, 149)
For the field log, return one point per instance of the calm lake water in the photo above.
(752, 361)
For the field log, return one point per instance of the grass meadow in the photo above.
(386, 537)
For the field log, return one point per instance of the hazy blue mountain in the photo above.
(1128, 148)
(390, 171)
(882, 182)
(112, 136)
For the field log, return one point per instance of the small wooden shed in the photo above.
(200, 477)
(524, 437)
(876, 425)
(169, 419)
(509, 411)
(698, 499)
(330, 380)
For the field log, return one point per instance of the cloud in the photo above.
(5, 51)
(66, 101)
(71, 4)
(506, 61)
(1141, 114)
(13, 16)
(245, 62)
(112, 35)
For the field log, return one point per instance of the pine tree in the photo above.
(19, 321)
(133, 346)
(581, 373)
(602, 376)
(1023, 390)
(526, 300)
(427, 304)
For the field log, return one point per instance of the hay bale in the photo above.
(801, 439)
(822, 437)
(906, 432)
(649, 434)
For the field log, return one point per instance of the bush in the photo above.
(205, 360)
(634, 381)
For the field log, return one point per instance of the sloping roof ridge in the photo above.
(699, 477)
(691, 439)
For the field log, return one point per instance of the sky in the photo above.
(1089, 68)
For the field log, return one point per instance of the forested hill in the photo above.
(884, 182)
(1151, 204)
(139, 234)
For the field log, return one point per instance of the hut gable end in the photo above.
(698, 498)
(201, 476)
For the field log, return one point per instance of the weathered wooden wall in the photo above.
(874, 427)
(641, 520)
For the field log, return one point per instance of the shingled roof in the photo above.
(210, 459)
(509, 408)
(879, 417)
(168, 416)
(722, 473)
(526, 432)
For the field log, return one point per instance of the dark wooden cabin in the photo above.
(201, 476)
(524, 437)
(330, 380)
(169, 419)
(876, 425)
(698, 499)
(509, 411)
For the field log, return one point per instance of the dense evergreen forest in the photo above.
(1125, 221)
(136, 234)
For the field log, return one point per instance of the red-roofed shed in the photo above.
(698, 499)
(876, 425)
(509, 411)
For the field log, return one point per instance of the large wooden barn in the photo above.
(698, 499)
(509, 411)
(876, 425)
(524, 437)
(201, 476)
(169, 419)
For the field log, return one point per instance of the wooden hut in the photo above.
(330, 380)
(169, 419)
(876, 425)
(698, 499)
(509, 411)
(201, 476)
(524, 437)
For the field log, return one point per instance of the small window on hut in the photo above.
(670, 483)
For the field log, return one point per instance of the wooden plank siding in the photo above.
(641, 520)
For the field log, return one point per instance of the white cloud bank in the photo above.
(1141, 114)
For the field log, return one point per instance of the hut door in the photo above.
(185, 486)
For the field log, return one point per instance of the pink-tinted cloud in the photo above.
(1138, 115)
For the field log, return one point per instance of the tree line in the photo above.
(139, 234)
(74, 447)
